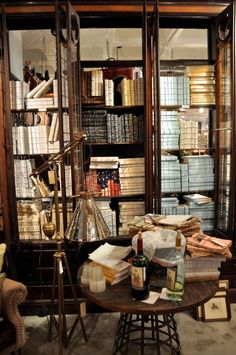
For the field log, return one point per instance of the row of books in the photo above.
(105, 182)
(40, 139)
(127, 128)
(104, 127)
(174, 90)
(95, 125)
(92, 86)
(108, 215)
(42, 97)
(196, 173)
(23, 182)
(18, 92)
(100, 126)
(132, 92)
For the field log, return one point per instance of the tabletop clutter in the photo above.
(202, 253)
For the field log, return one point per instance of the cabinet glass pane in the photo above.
(180, 43)
(111, 44)
(224, 135)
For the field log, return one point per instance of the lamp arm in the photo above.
(56, 157)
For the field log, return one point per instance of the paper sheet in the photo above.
(153, 296)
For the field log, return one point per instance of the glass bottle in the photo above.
(140, 272)
(176, 272)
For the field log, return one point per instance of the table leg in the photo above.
(146, 331)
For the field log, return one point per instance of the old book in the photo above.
(113, 281)
(113, 273)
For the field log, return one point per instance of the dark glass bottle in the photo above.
(140, 275)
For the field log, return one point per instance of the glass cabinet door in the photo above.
(224, 128)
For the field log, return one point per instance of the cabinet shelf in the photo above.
(32, 155)
(186, 192)
(48, 109)
(120, 197)
(113, 144)
(111, 108)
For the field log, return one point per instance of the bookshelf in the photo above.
(221, 134)
(113, 120)
(43, 118)
(187, 159)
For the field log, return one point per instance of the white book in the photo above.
(37, 88)
(53, 127)
(44, 89)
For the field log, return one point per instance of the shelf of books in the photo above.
(187, 167)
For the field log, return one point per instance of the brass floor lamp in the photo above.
(60, 259)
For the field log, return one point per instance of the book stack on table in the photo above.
(116, 273)
(109, 258)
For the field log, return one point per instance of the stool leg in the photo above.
(155, 326)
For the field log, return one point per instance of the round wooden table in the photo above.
(145, 324)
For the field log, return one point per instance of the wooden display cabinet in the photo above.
(24, 252)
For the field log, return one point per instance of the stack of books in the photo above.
(188, 134)
(170, 174)
(132, 176)
(169, 130)
(201, 172)
(28, 220)
(38, 97)
(202, 84)
(171, 206)
(116, 273)
(128, 210)
(109, 257)
(202, 268)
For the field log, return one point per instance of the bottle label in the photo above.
(171, 277)
(138, 277)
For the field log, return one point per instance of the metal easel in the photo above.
(60, 260)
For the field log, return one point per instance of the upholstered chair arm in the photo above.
(13, 294)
